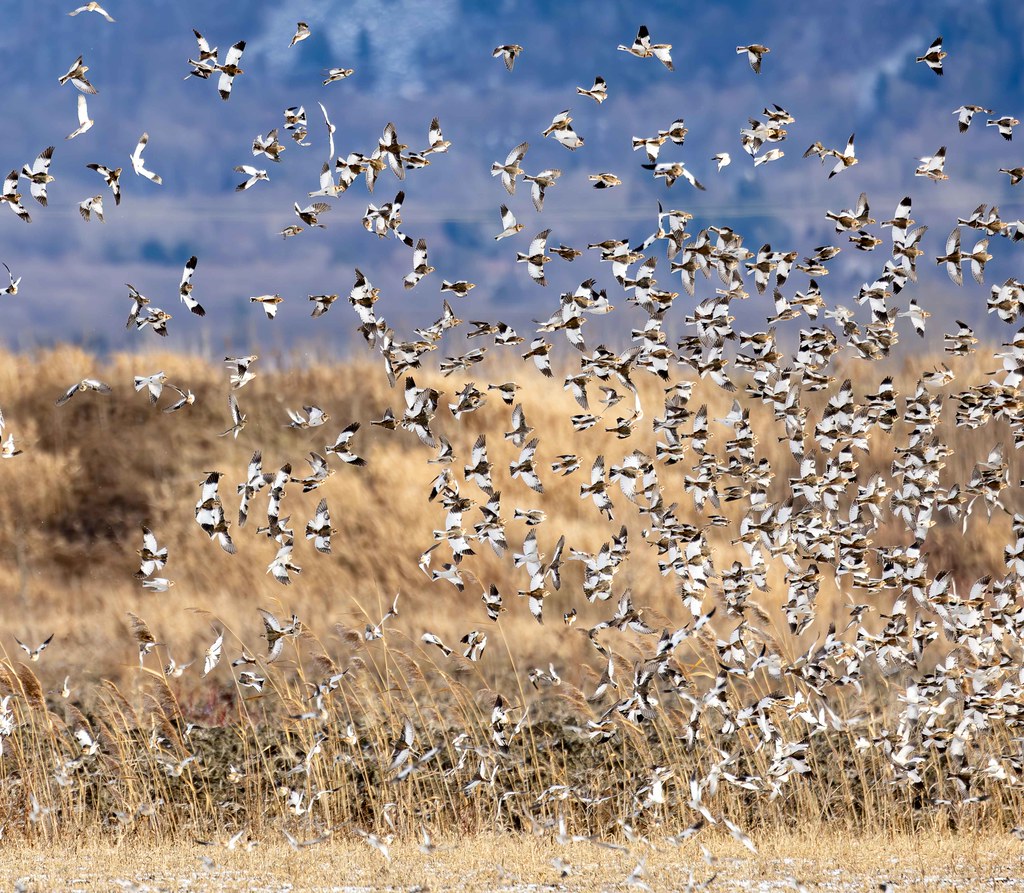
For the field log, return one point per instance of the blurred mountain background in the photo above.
(838, 68)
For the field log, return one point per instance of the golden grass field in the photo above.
(92, 472)
(919, 863)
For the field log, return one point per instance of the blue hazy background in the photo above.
(838, 68)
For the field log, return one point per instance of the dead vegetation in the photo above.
(172, 757)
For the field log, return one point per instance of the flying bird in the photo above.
(230, 70)
(337, 74)
(310, 215)
(604, 180)
(535, 258)
(1005, 125)
(561, 129)
(34, 653)
(139, 165)
(76, 74)
(510, 169)
(508, 52)
(12, 198)
(508, 223)
(420, 265)
(152, 556)
(268, 302)
(84, 121)
(539, 183)
(10, 289)
(207, 62)
(933, 58)
(86, 384)
(93, 6)
(185, 398)
(642, 48)
(599, 92)
(254, 175)
(268, 145)
(966, 112)
(154, 384)
(38, 175)
(845, 159)
(754, 53)
(111, 176)
(185, 288)
(238, 419)
(932, 166)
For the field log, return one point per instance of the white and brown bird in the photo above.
(420, 265)
(268, 145)
(86, 384)
(672, 171)
(76, 74)
(84, 121)
(562, 130)
(9, 289)
(12, 198)
(337, 74)
(155, 385)
(539, 183)
(535, 258)
(242, 374)
(230, 70)
(341, 450)
(268, 303)
(38, 174)
(642, 48)
(253, 176)
(754, 53)
(112, 178)
(599, 92)
(319, 528)
(185, 287)
(206, 64)
(966, 112)
(139, 164)
(310, 215)
(301, 33)
(508, 52)
(1005, 124)
(152, 556)
(933, 58)
(315, 417)
(435, 139)
(185, 398)
(34, 653)
(238, 419)
(933, 166)
(846, 158)
(604, 180)
(509, 226)
(510, 169)
(322, 303)
(93, 6)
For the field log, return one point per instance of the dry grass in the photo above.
(96, 469)
(918, 863)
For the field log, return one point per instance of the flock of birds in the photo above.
(825, 527)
